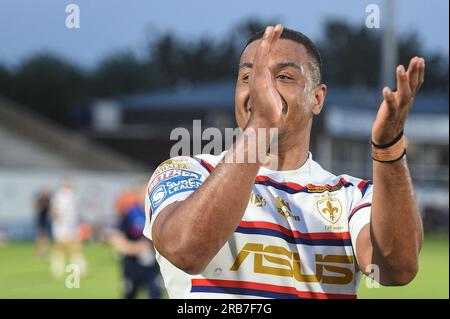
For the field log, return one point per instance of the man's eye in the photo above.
(283, 77)
(245, 77)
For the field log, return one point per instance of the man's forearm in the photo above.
(205, 220)
(396, 228)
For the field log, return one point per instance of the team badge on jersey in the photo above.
(329, 207)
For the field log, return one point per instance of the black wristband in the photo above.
(395, 140)
(395, 160)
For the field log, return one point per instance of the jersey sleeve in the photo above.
(174, 180)
(361, 210)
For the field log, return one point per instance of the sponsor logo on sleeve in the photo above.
(170, 183)
(171, 174)
(171, 164)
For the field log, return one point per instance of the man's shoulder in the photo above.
(212, 159)
(182, 161)
(198, 166)
(176, 163)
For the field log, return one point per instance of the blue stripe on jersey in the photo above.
(358, 208)
(243, 291)
(292, 240)
(366, 186)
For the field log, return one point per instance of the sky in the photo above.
(28, 27)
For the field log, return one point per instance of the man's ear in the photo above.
(320, 92)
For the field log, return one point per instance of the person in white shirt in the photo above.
(65, 221)
(282, 226)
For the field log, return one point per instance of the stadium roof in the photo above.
(220, 95)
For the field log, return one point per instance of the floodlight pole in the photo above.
(389, 45)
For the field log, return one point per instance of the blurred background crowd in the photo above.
(97, 127)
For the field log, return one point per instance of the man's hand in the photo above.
(395, 107)
(265, 101)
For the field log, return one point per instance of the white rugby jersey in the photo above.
(64, 203)
(296, 239)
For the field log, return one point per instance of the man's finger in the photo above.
(262, 52)
(271, 35)
(260, 63)
(389, 97)
(268, 35)
(421, 72)
(413, 74)
(403, 88)
(277, 32)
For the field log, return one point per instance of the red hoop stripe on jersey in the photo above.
(259, 289)
(150, 213)
(357, 208)
(293, 188)
(207, 166)
(363, 186)
(295, 233)
(264, 179)
(290, 187)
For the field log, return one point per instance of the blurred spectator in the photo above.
(126, 201)
(84, 232)
(139, 267)
(64, 226)
(43, 222)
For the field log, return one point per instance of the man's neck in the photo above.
(292, 154)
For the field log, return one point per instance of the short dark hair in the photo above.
(311, 49)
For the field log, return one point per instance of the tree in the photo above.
(6, 81)
(352, 57)
(121, 73)
(48, 85)
(436, 74)
(166, 57)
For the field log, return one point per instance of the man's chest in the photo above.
(303, 211)
(290, 239)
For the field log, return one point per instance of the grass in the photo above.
(430, 282)
(24, 275)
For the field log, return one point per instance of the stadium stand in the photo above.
(28, 140)
(36, 153)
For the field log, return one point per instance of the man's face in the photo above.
(289, 66)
